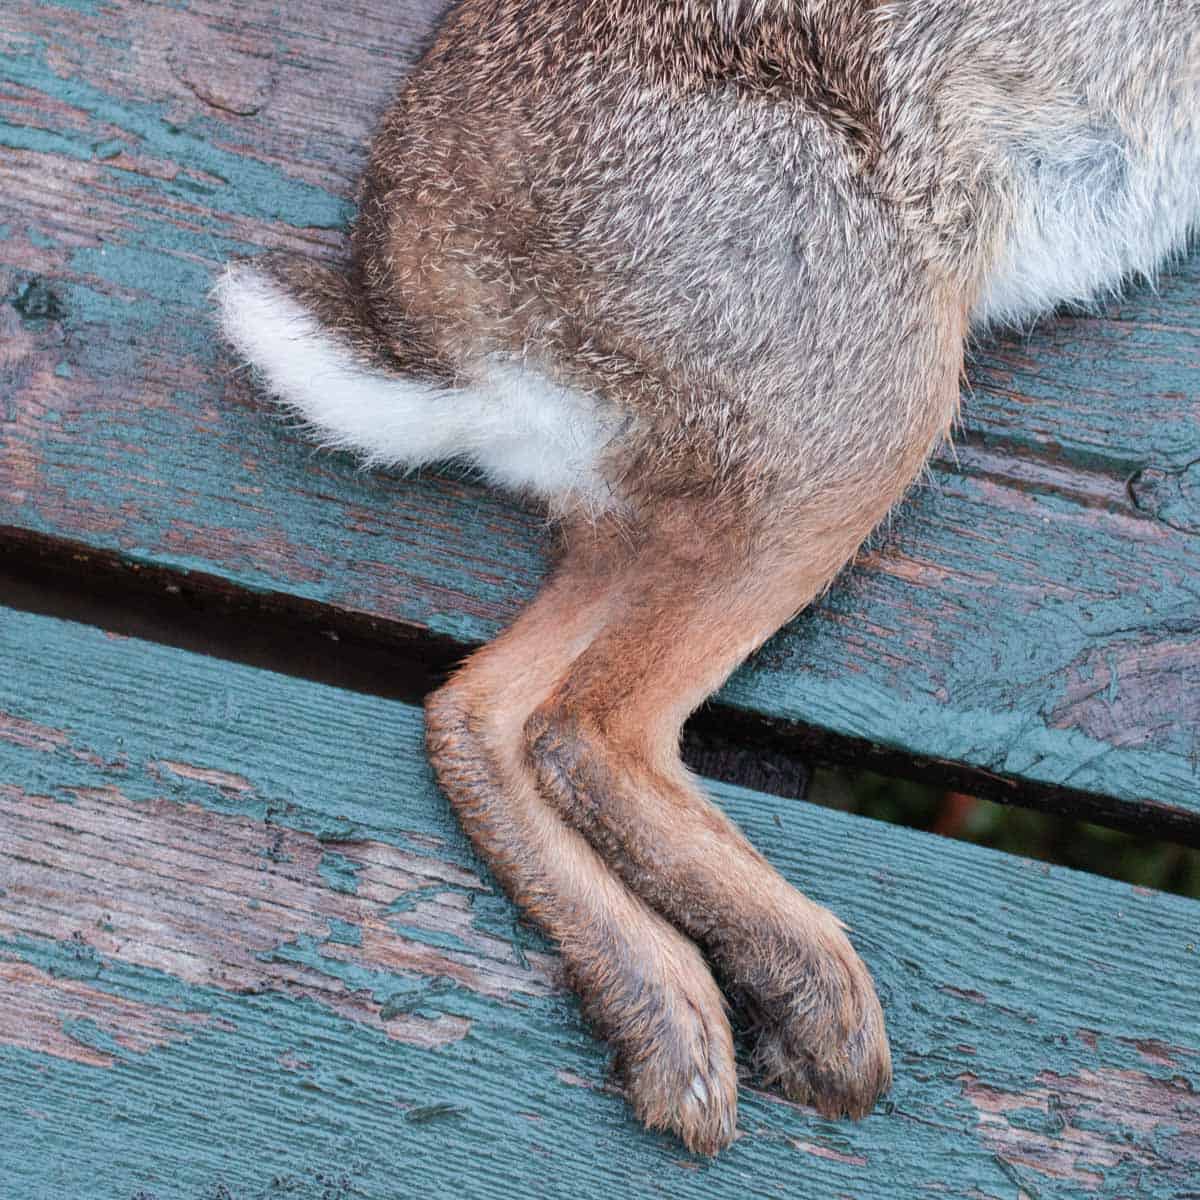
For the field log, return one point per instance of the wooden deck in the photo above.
(245, 952)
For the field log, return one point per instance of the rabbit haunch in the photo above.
(1084, 209)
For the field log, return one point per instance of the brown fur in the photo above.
(754, 231)
(643, 984)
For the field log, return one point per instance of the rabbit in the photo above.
(697, 276)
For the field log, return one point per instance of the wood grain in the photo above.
(244, 946)
(1030, 618)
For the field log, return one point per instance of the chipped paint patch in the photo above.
(1172, 497)
(30, 735)
(818, 1151)
(224, 781)
(247, 186)
(1161, 1053)
(73, 1020)
(1078, 1127)
(175, 887)
(339, 872)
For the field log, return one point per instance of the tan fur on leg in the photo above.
(644, 985)
(603, 746)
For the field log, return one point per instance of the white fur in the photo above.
(1096, 207)
(523, 431)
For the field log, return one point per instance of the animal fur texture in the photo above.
(698, 275)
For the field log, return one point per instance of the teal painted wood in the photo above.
(1032, 613)
(245, 952)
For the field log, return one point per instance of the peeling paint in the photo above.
(818, 1151)
(1172, 497)
(31, 735)
(1079, 1127)
(339, 872)
(1031, 1056)
(248, 187)
(223, 780)
(72, 1020)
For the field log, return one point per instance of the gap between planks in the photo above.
(360, 652)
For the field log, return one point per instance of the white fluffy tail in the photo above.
(521, 430)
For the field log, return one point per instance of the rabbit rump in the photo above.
(697, 275)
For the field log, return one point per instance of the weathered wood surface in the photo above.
(244, 946)
(1033, 613)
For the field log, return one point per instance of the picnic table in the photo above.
(245, 950)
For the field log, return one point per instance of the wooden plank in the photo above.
(1031, 614)
(244, 946)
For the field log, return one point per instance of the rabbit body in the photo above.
(699, 274)
(580, 219)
